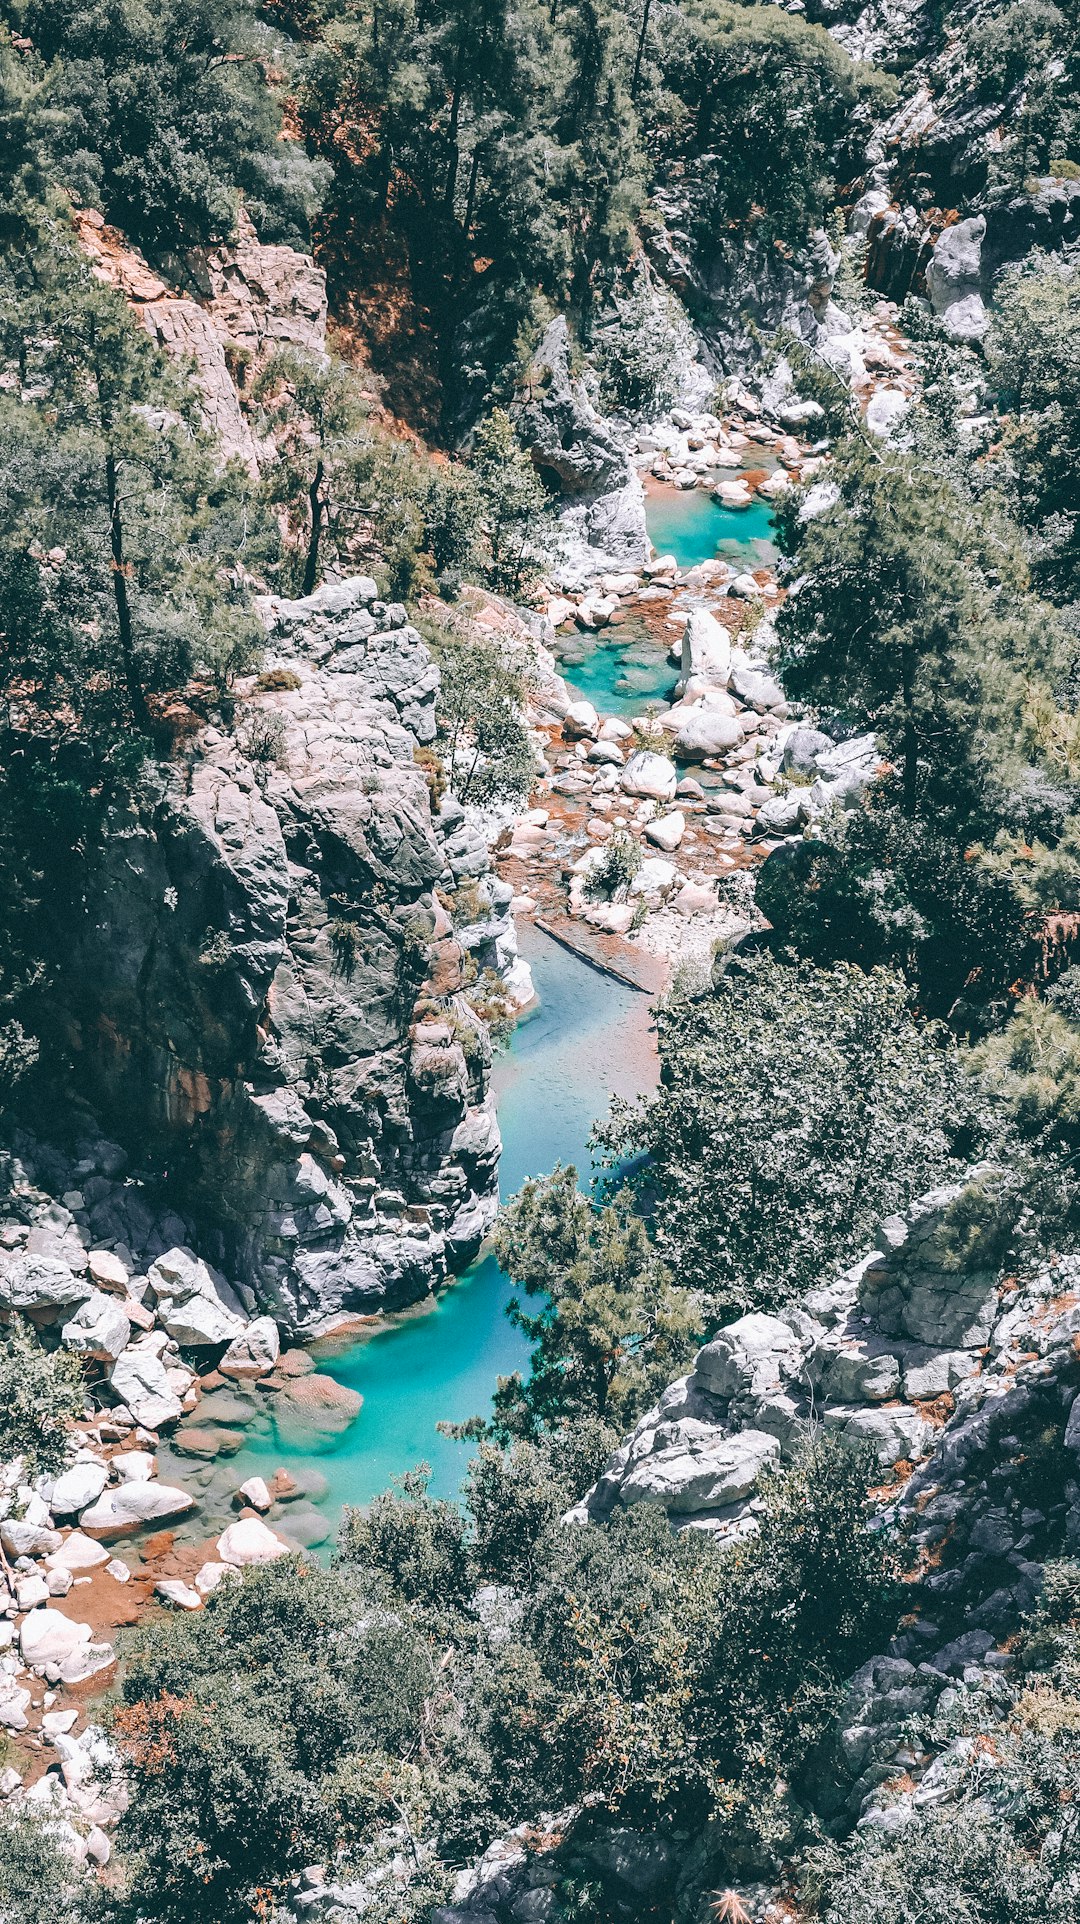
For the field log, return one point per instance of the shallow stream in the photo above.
(588, 1038)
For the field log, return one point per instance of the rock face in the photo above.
(580, 456)
(865, 1356)
(253, 299)
(245, 993)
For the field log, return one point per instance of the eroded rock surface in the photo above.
(261, 998)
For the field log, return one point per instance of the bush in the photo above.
(41, 1394)
(796, 1106)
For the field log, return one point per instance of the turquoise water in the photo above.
(620, 670)
(588, 1038)
(691, 525)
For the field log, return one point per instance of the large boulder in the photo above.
(99, 1328)
(649, 775)
(254, 1352)
(41, 1283)
(248, 1540)
(705, 732)
(700, 1469)
(131, 1506)
(139, 1380)
(751, 1355)
(76, 1488)
(954, 279)
(189, 1303)
(706, 649)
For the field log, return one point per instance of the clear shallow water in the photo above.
(621, 670)
(692, 525)
(588, 1039)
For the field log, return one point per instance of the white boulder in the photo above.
(188, 1301)
(667, 831)
(649, 775)
(706, 649)
(255, 1352)
(77, 1487)
(132, 1505)
(139, 1380)
(99, 1328)
(249, 1541)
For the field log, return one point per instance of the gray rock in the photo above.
(701, 1470)
(99, 1328)
(35, 1282)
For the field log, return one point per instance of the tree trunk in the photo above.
(455, 121)
(120, 595)
(911, 736)
(640, 49)
(311, 566)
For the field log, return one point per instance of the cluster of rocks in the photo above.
(179, 1375)
(963, 1380)
(266, 994)
(770, 778)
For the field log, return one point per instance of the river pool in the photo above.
(690, 524)
(587, 1038)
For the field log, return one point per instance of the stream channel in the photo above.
(587, 1038)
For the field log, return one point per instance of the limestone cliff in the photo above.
(265, 998)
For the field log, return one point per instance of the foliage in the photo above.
(619, 862)
(163, 116)
(283, 1696)
(121, 535)
(483, 738)
(38, 1880)
(513, 503)
(1005, 1849)
(796, 1106)
(1035, 362)
(1033, 1065)
(41, 1394)
(638, 353)
(768, 112)
(612, 1327)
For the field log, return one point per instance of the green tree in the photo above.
(482, 733)
(164, 116)
(285, 1696)
(612, 1327)
(513, 502)
(1035, 363)
(41, 1394)
(39, 1883)
(796, 1106)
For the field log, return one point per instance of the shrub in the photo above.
(41, 1394)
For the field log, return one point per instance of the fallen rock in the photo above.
(78, 1554)
(700, 1470)
(255, 1492)
(651, 776)
(77, 1487)
(249, 1541)
(667, 831)
(99, 1328)
(131, 1506)
(255, 1352)
(41, 1283)
(138, 1379)
(188, 1303)
(173, 1590)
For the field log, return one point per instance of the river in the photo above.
(586, 1039)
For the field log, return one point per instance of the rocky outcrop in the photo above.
(580, 456)
(901, 1354)
(252, 300)
(265, 997)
